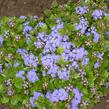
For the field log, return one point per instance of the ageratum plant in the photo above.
(60, 61)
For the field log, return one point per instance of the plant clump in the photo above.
(60, 61)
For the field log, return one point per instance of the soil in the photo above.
(104, 104)
(25, 7)
(35, 7)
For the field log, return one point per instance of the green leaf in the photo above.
(76, 75)
(106, 44)
(91, 81)
(54, 4)
(62, 31)
(44, 28)
(106, 74)
(18, 83)
(51, 85)
(47, 12)
(60, 50)
(71, 27)
(1, 88)
(32, 32)
(61, 61)
(85, 91)
(42, 102)
(14, 100)
(5, 100)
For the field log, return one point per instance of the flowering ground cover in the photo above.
(59, 61)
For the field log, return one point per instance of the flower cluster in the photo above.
(59, 60)
(77, 98)
(57, 95)
(32, 76)
(95, 33)
(70, 53)
(26, 31)
(34, 98)
(40, 40)
(1, 69)
(82, 26)
(29, 59)
(1, 40)
(97, 14)
(82, 10)
(20, 74)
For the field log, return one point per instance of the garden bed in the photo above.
(26, 7)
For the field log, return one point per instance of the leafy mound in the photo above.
(60, 61)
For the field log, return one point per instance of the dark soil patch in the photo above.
(35, 7)
(104, 104)
(25, 7)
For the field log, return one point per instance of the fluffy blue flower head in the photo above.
(34, 98)
(97, 64)
(32, 76)
(77, 98)
(81, 10)
(1, 40)
(97, 14)
(1, 69)
(57, 95)
(20, 74)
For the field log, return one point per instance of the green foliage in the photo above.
(5, 100)
(43, 102)
(68, 16)
(60, 50)
(17, 83)
(61, 62)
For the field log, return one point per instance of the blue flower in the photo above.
(100, 55)
(63, 95)
(95, 33)
(16, 64)
(96, 37)
(34, 98)
(97, 14)
(75, 64)
(27, 29)
(22, 51)
(58, 20)
(53, 71)
(79, 53)
(82, 9)
(22, 17)
(32, 76)
(107, 33)
(29, 59)
(59, 26)
(20, 74)
(44, 73)
(82, 26)
(35, 17)
(77, 98)
(1, 40)
(57, 95)
(63, 74)
(1, 68)
(41, 24)
(85, 61)
(97, 64)
(32, 102)
(39, 44)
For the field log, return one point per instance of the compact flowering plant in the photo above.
(60, 61)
